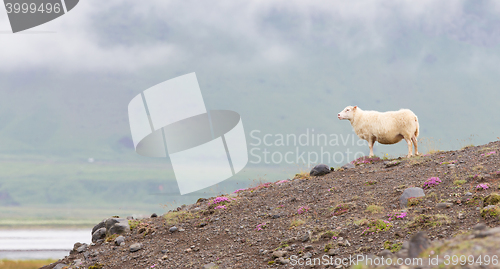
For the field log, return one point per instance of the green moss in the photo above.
(459, 182)
(393, 247)
(133, 224)
(374, 209)
(328, 247)
(490, 211)
(376, 226)
(178, 216)
(425, 221)
(270, 262)
(96, 266)
(111, 237)
(492, 199)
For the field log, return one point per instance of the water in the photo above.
(40, 244)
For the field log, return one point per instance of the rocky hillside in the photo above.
(429, 206)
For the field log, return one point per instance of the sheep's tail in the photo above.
(416, 131)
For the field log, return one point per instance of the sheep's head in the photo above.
(347, 113)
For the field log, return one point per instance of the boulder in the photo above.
(409, 193)
(319, 170)
(417, 244)
(98, 226)
(99, 234)
(119, 227)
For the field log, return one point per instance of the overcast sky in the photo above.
(118, 35)
(285, 66)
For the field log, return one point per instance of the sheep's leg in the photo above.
(371, 141)
(415, 143)
(410, 148)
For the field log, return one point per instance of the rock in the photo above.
(119, 227)
(181, 230)
(308, 247)
(99, 234)
(468, 193)
(443, 205)
(385, 253)
(275, 216)
(210, 265)
(60, 266)
(391, 163)
(461, 216)
(304, 238)
(492, 199)
(408, 193)
(279, 254)
(283, 261)
(75, 247)
(174, 229)
(119, 240)
(154, 215)
(418, 243)
(307, 255)
(98, 226)
(348, 166)
(135, 247)
(82, 248)
(319, 170)
(130, 217)
(333, 251)
(479, 227)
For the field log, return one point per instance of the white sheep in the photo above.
(384, 127)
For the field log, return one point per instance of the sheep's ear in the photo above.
(355, 107)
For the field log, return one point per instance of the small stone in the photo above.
(181, 230)
(275, 216)
(60, 266)
(154, 215)
(479, 227)
(391, 163)
(348, 166)
(119, 240)
(173, 229)
(333, 251)
(443, 205)
(278, 254)
(164, 257)
(283, 261)
(308, 247)
(461, 216)
(307, 255)
(319, 170)
(209, 266)
(135, 247)
(385, 253)
(468, 193)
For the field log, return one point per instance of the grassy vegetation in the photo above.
(374, 209)
(175, 217)
(24, 264)
(297, 222)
